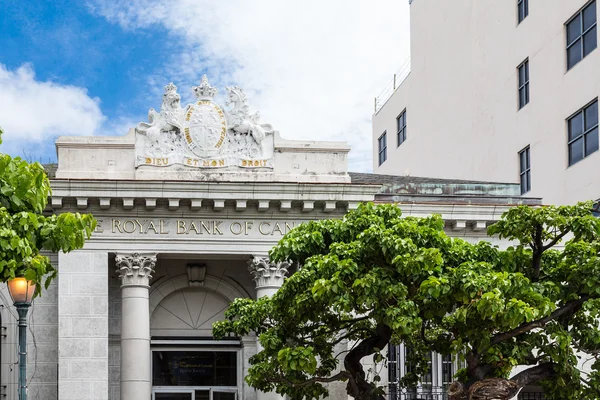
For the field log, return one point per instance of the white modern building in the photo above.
(500, 91)
(188, 206)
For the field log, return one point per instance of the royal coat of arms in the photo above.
(204, 135)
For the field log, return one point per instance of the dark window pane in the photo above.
(521, 9)
(589, 16)
(173, 396)
(574, 29)
(591, 142)
(590, 41)
(527, 93)
(521, 75)
(524, 183)
(522, 97)
(576, 151)
(202, 395)
(526, 67)
(223, 396)
(591, 116)
(576, 126)
(574, 54)
(194, 368)
(527, 158)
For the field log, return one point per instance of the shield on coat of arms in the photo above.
(205, 128)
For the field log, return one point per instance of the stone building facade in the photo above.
(188, 206)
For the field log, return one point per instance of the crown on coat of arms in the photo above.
(205, 91)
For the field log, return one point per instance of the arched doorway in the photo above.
(187, 364)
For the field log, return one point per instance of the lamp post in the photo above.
(21, 290)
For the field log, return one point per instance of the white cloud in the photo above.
(310, 67)
(32, 111)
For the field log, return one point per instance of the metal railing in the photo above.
(421, 393)
(392, 85)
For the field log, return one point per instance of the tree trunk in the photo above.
(487, 389)
(357, 386)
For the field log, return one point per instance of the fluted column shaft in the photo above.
(135, 271)
(268, 277)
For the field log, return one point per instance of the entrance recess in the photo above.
(182, 374)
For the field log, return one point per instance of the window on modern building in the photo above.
(522, 9)
(523, 83)
(382, 148)
(401, 127)
(583, 132)
(581, 34)
(525, 170)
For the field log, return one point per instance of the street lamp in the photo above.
(21, 290)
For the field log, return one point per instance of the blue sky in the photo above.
(95, 67)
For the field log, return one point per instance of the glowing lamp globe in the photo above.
(21, 290)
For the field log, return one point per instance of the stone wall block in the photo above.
(83, 325)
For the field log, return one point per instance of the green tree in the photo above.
(26, 230)
(373, 278)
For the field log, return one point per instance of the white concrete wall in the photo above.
(463, 120)
(83, 326)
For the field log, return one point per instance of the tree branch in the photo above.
(569, 308)
(534, 374)
(555, 240)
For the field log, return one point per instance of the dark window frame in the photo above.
(585, 133)
(523, 83)
(401, 129)
(522, 10)
(525, 169)
(579, 40)
(382, 149)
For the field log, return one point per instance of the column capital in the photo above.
(135, 269)
(268, 274)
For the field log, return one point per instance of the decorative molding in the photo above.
(219, 205)
(330, 206)
(196, 204)
(263, 205)
(173, 204)
(56, 202)
(105, 203)
(150, 203)
(459, 225)
(82, 203)
(266, 273)
(308, 206)
(135, 269)
(128, 203)
(196, 274)
(240, 205)
(285, 205)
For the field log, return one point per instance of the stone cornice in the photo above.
(108, 193)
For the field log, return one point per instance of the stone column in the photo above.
(269, 278)
(135, 271)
